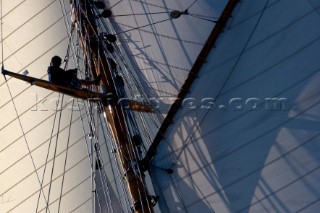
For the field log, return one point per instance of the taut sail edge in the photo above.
(201, 59)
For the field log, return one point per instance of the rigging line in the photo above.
(158, 189)
(150, 4)
(228, 77)
(15, 7)
(255, 139)
(136, 28)
(195, 16)
(25, 199)
(273, 65)
(218, 94)
(117, 166)
(115, 4)
(139, 14)
(58, 130)
(104, 180)
(129, 75)
(150, 20)
(257, 169)
(67, 25)
(249, 17)
(56, 112)
(42, 54)
(70, 190)
(55, 152)
(191, 4)
(275, 191)
(91, 133)
(165, 36)
(30, 130)
(97, 150)
(47, 157)
(243, 50)
(66, 157)
(28, 20)
(113, 166)
(2, 46)
(81, 204)
(314, 7)
(203, 16)
(90, 123)
(278, 94)
(35, 37)
(102, 176)
(25, 139)
(308, 206)
(28, 175)
(134, 155)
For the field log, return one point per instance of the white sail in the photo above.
(33, 32)
(257, 149)
(163, 49)
(244, 139)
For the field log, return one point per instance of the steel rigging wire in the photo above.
(2, 47)
(47, 157)
(177, 155)
(250, 142)
(66, 157)
(132, 29)
(228, 77)
(122, 126)
(57, 136)
(90, 124)
(14, 105)
(46, 161)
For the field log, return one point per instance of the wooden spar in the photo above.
(115, 114)
(190, 79)
(81, 93)
(77, 93)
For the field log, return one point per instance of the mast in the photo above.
(115, 114)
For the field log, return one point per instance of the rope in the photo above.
(115, 4)
(92, 128)
(2, 48)
(191, 4)
(138, 14)
(217, 96)
(90, 114)
(47, 157)
(25, 139)
(59, 122)
(195, 16)
(55, 152)
(228, 77)
(136, 28)
(66, 157)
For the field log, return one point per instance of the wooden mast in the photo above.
(115, 114)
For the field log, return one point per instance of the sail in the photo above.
(248, 141)
(163, 49)
(233, 123)
(47, 159)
